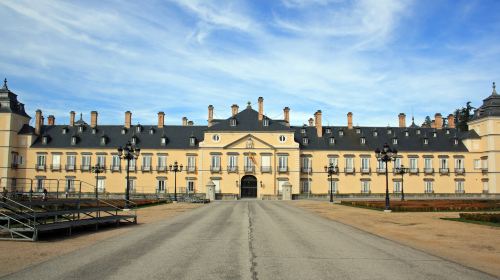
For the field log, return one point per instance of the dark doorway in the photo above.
(248, 187)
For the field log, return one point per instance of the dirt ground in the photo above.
(23, 254)
(472, 245)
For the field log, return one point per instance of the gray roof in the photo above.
(9, 103)
(490, 107)
(247, 120)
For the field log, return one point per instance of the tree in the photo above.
(427, 123)
(463, 116)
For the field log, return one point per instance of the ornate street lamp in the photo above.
(128, 153)
(175, 168)
(386, 154)
(330, 169)
(402, 170)
(97, 169)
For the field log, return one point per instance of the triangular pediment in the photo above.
(249, 141)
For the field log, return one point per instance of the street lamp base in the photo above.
(387, 211)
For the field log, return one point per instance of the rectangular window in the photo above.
(132, 165)
(282, 163)
(429, 187)
(232, 163)
(459, 187)
(191, 163)
(40, 162)
(459, 163)
(70, 162)
(443, 163)
(70, 185)
(305, 186)
(39, 185)
(334, 161)
(306, 163)
(131, 185)
(380, 165)
(397, 163)
(397, 187)
(101, 185)
(477, 164)
(365, 164)
(215, 163)
(365, 186)
(249, 166)
(484, 164)
(413, 164)
(333, 186)
(161, 186)
(101, 161)
(162, 163)
(428, 163)
(146, 162)
(85, 162)
(56, 162)
(115, 165)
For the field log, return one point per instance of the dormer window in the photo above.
(455, 141)
(73, 140)
(192, 141)
(363, 140)
(138, 128)
(341, 132)
(426, 141)
(151, 131)
(232, 122)
(418, 131)
(103, 140)
(332, 140)
(407, 133)
(328, 131)
(64, 130)
(80, 129)
(94, 130)
(124, 130)
(395, 141)
(447, 131)
(45, 139)
(434, 134)
(375, 133)
(358, 130)
(265, 122)
(133, 140)
(305, 140)
(303, 131)
(163, 140)
(389, 131)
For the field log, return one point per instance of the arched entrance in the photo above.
(248, 187)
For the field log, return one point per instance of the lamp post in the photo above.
(97, 169)
(175, 168)
(386, 154)
(330, 169)
(402, 170)
(128, 153)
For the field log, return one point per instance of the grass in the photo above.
(472, 222)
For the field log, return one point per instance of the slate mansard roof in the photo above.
(9, 103)
(247, 121)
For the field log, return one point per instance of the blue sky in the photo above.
(375, 58)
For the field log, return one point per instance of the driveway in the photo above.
(248, 239)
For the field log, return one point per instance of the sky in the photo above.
(374, 58)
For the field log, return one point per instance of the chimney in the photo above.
(286, 114)
(317, 121)
(349, 120)
(451, 121)
(93, 119)
(402, 120)
(72, 118)
(38, 121)
(234, 110)
(210, 115)
(311, 122)
(161, 119)
(51, 120)
(438, 121)
(261, 108)
(128, 119)
(190, 123)
(184, 121)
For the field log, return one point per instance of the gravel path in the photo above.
(247, 239)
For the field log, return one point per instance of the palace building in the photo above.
(248, 154)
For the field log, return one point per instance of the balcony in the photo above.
(349, 170)
(232, 169)
(444, 171)
(40, 167)
(459, 171)
(413, 171)
(191, 169)
(428, 171)
(365, 170)
(215, 169)
(282, 169)
(161, 168)
(55, 167)
(307, 170)
(70, 167)
(85, 168)
(266, 169)
(115, 168)
(381, 170)
(249, 168)
(146, 168)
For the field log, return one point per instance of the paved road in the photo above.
(247, 240)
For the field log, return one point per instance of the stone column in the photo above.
(286, 191)
(210, 190)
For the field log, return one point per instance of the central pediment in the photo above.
(249, 141)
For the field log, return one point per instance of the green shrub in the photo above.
(482, 217)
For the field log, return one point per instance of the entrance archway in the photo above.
(248, 187)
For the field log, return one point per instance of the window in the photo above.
(333, 186)
(358, 130)
(151, 131)
(395, 141)
(428, 163)
(70, 162)
(232, 163)
(40, 162)
(477, 164)
(216, 138)
(459, 163)
(70, 185)
(101, 161)
(162, 163)
(39, 184)
(191, 163)
(334, 161)
(407, 133)
(305, 141)
(132, 165)
(73, 140)
(459, 186)
(375, 133)
(282, 163)
(56, 162)
(349, 164)
(397, 163)
(365, 164)
(249, 165)
(101, 184)
(303, 130)
(265, 122)
(232, 122)
(443, 163)
(146, 162)
(426, 141)
(341, 132)
(434, 134)
(380, 166)
(305, 186)
(418, 131)
(413, 164)
(132, 186)
(332, 140)
(365, 186)
(363, 140)
(389, 131)
(133, 140)
(115, 162)
(282, 138)
(328, 131)
(484, 164)
(161, 186)
(85, 163)
(215, 163)
(192, 141)
(429, 186)
(306, 164)
(217, 186)
(397, 187)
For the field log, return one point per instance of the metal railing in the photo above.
(266, 169)
(365, 170)
(70, 167)
(232, 169)
(459, 171)
(282, 169)
(249, 168)
(444, 171)
(161, 168)
(215, 169)
(306, 170)
(349, 170)
(40, 167)
(428, 170)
